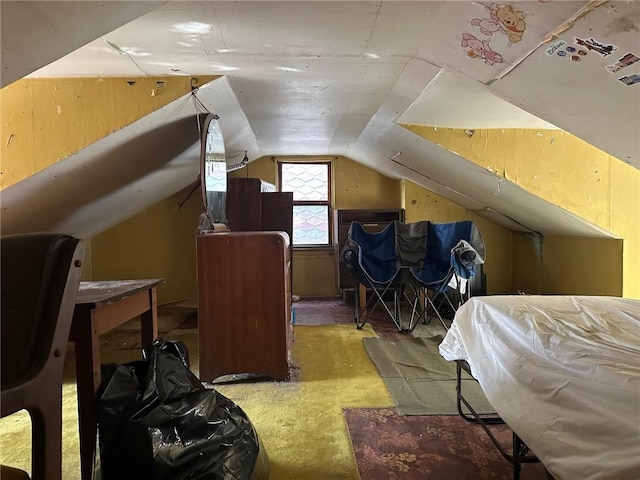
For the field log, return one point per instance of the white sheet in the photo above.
(563, 372)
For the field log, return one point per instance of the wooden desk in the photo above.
(100, 307)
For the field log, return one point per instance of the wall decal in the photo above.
(603, 49)
(487, 25)
(630, 79)
(512, 20)
(504, 19)
(480, 49)
(554, 47)
(625, 61)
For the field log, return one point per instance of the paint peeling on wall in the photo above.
(623, 25)
(31, 107)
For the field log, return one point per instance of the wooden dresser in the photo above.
(244, 304)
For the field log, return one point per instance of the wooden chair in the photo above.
(10, 473)
(40, 275)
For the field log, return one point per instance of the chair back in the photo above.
(452, 248)
(411, 243)
(40, 275)
(376, 252)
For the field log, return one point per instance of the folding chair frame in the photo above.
(361, 315)
(441, 293)
(405, 284)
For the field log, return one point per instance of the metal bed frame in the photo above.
(520, 453)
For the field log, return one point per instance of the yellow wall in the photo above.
(566, 171)
(359, 187)
(422, 204)
(543, 269)
(265, 168)
(87, 266)
(45, 120)
(160, 242)
(527, 264)
(354, 186)
(314, 273)
(157, 243)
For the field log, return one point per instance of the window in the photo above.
(311, 187)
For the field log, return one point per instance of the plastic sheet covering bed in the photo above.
(563, 372)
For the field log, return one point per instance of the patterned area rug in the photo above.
(434, 447)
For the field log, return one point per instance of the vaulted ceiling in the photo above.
(340, 77)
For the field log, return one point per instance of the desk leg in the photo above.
(363, 296)
(149, 320)
(87, 345)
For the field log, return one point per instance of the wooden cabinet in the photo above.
(372, 220)
(254, 205)
(276, 212)
(244, 304)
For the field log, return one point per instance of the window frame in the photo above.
(328, 203)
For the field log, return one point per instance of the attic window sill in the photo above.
(313, 248)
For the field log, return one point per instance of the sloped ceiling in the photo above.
(337, 77)
(36, 33)
(452, 101)
(100, 186)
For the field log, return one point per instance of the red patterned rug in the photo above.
(435, 447)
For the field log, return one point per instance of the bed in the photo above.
(563, 372)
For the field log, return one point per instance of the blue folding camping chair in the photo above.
(452, 252)
(373, 261)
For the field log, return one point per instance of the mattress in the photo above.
(563, 372)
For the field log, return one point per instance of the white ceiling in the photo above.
(452, 101)
(336, 78)
(35, 33)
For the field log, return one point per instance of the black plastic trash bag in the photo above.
(157, 421)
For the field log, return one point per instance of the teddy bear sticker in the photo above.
(512, 21)
(504, 19)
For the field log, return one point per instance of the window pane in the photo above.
(306, 181)
(310, 225)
